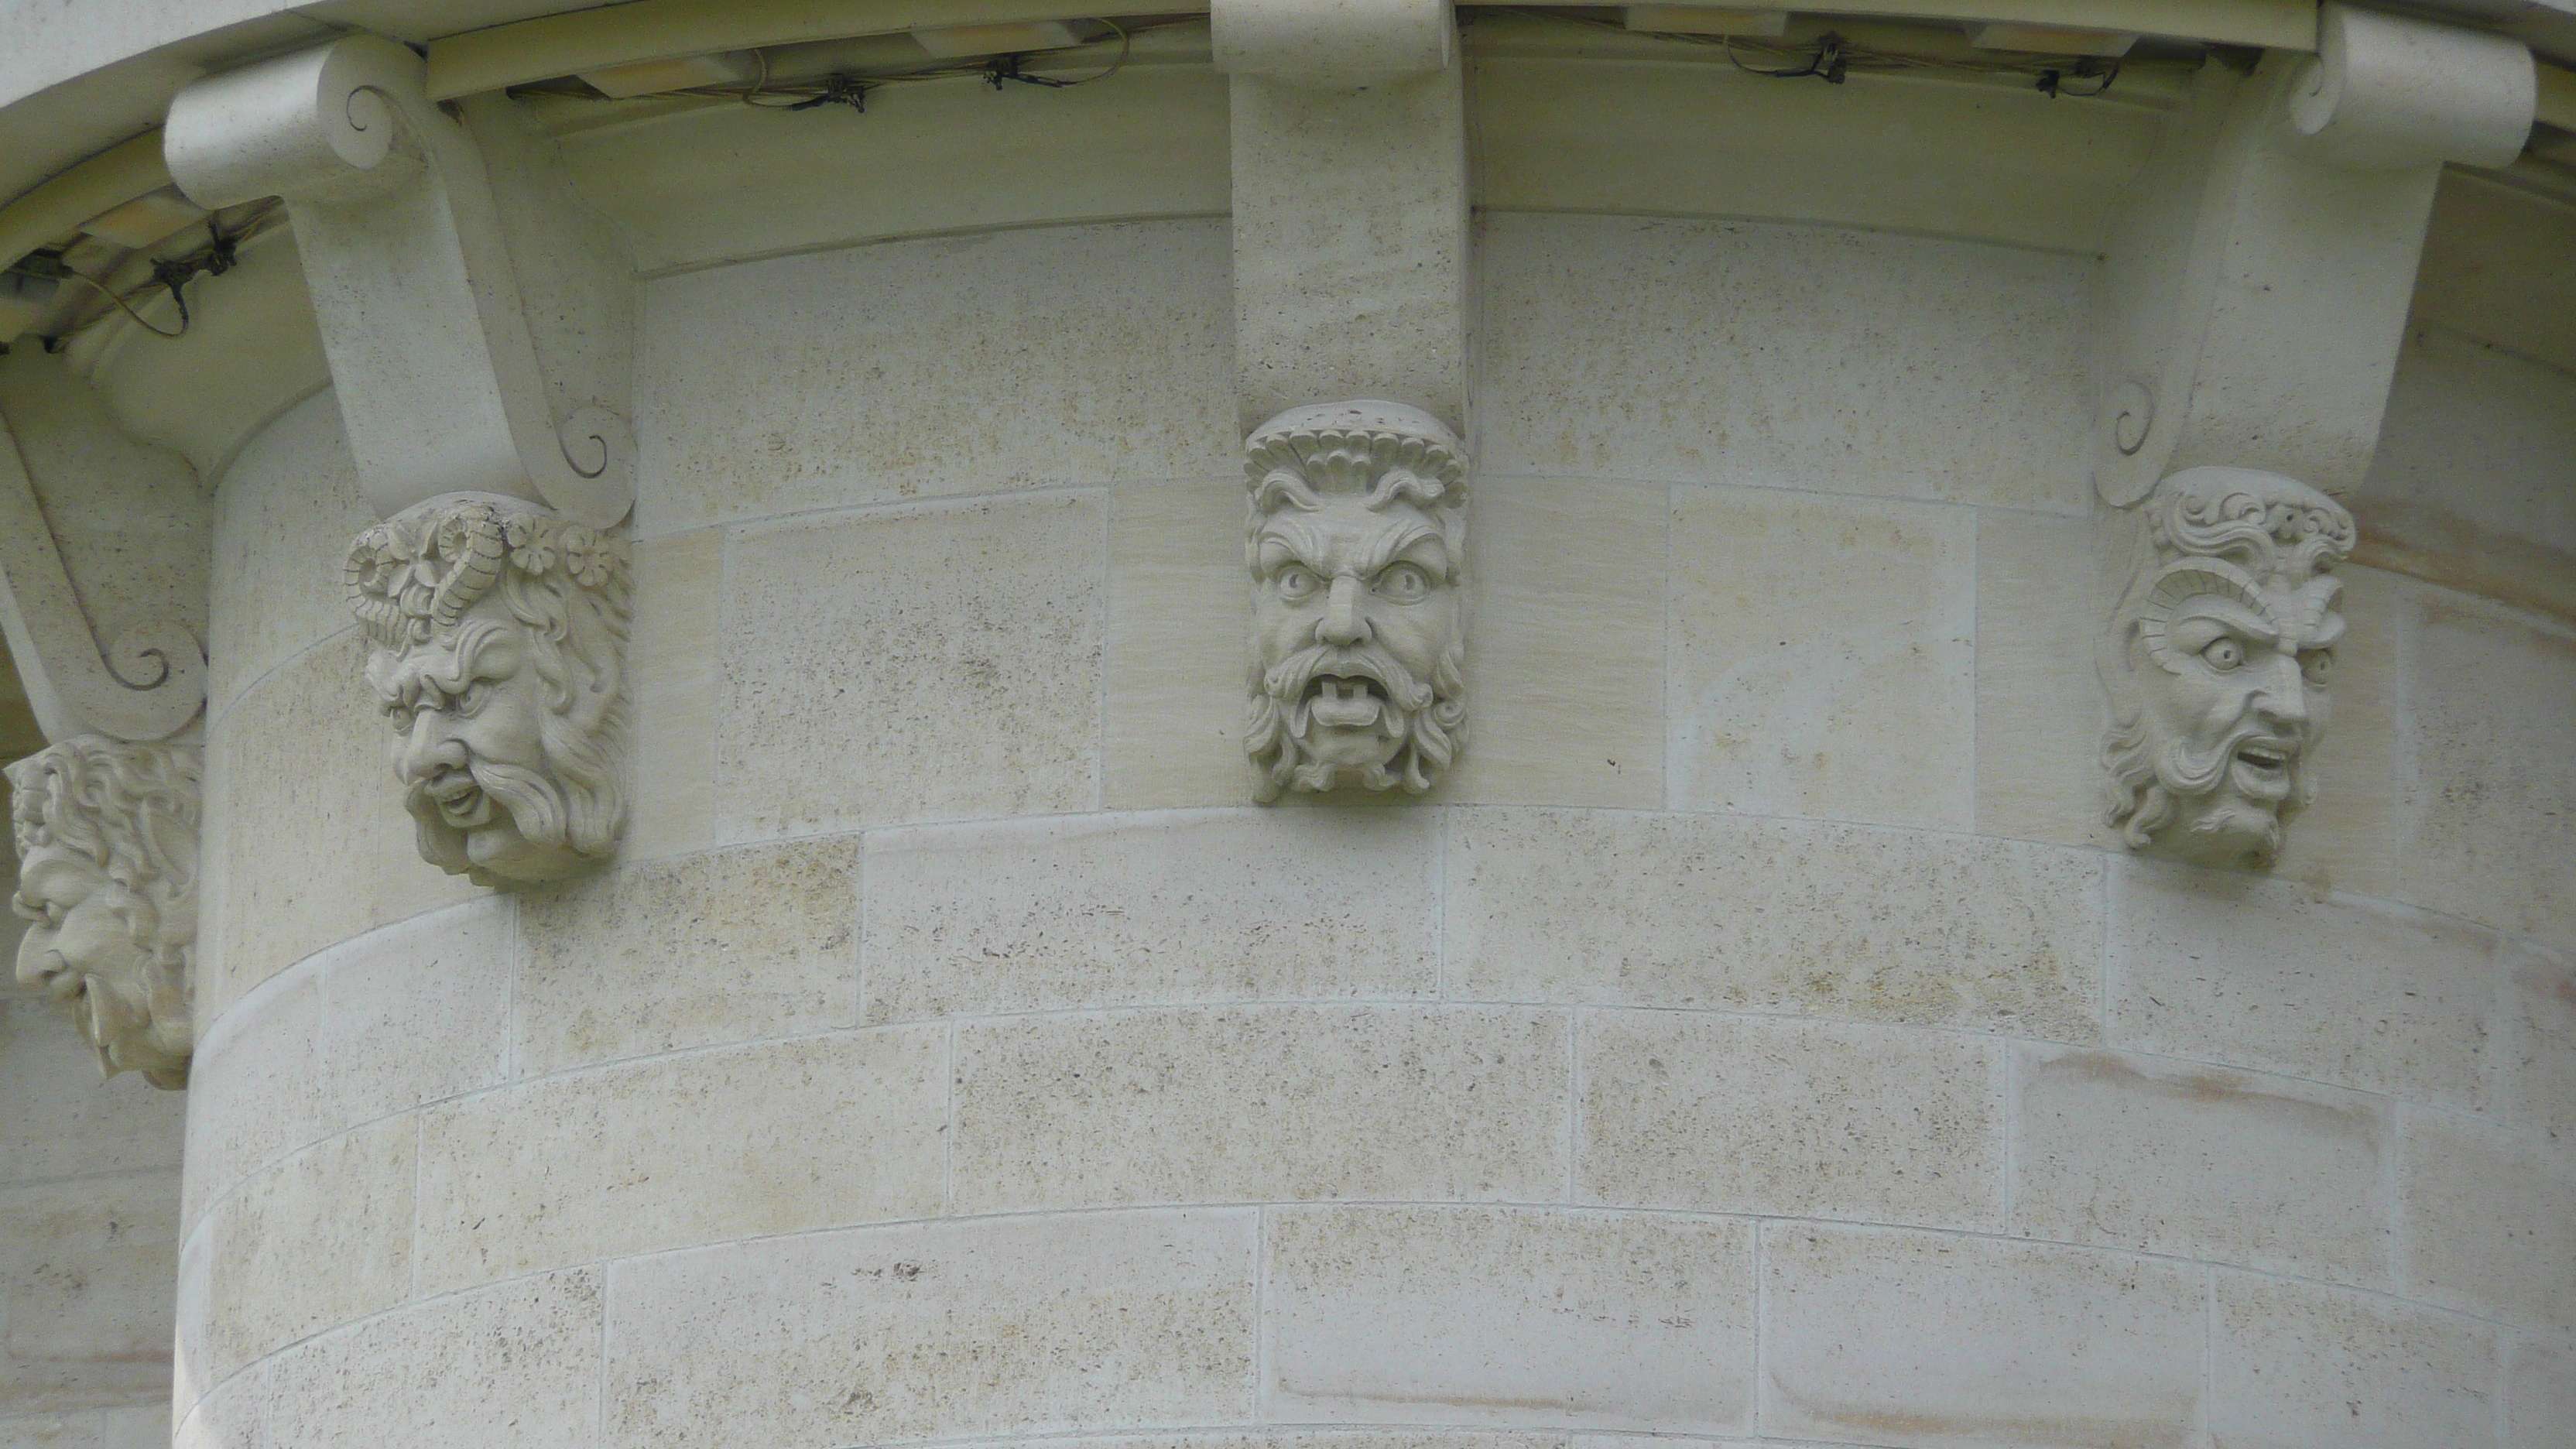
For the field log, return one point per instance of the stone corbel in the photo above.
(405, 252)
(2258, 291)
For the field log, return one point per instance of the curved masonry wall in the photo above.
(1752, 1040)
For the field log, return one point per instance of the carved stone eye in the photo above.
(1402, 582)
(2317, 664)
(2223, 654)
(1297, 583)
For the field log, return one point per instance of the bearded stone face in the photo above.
(80, 948)
(1357, 617)
(2224, 645)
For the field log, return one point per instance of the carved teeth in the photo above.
(1345, 702)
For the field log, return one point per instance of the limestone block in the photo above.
(2201, 1163)
(2346, 838)
(962, 648)
(85, 1274)
(234, 1416)
(1912, 1339)
(142, 1426)
(512, 1366)
(256, 1082)
(655, 956)
(2487, 822)
(1016, 359)
(1790, 1118)
(2487, 1223)
(2540, 1056)
(415, 1012)
(1162, 909)
(2539, 1394)
(681, 1150)
(1507, 1317)
(61, 1120)
(1822, 658)
(673, 674)
(1693, 352)
(2449, 386)
(2039, 711)
(318, 1239)
(1565, 648)
(2262, 974)
(2295, 1366)
(1173, 712)
(1350, 244)
(284, 515)
(1260, 1103)
(1376, 1438)
(1765, 915)
(938, 1330)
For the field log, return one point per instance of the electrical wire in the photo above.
(214, 257)
(1830, 58)
(764, 92)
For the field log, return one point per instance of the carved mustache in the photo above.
(1287, 680)
(535, 804)
(2187, 773)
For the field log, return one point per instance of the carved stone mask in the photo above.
(1357, 547)
(107, 882)
(496, 644)
(2216, 663)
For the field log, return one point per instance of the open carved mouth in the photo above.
(2262, 767)
(1345, 701)
(460, 801)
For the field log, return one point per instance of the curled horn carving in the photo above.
(478, 563)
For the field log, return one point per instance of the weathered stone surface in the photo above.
(1255, 1103)
(936, 1331)
(512, 1366)
(2294, 1366)
(1928, 1341)
(85, 1274)
(1765, 915)
(680, 1150)
(1508, 1317)
(702, 950)
(2196, 1162)
(2540, 1045)
(1790, 1119)
(2487, 1222)
(61, 1120)
(1145, 910)
(1174, 646)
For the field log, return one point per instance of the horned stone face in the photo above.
(497, 641)
(107, 882)
(1357, 548)
(2217, 661)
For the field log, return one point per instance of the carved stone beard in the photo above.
(1421, 725)
(533, 844)
(2170, 799)
(136, 1020)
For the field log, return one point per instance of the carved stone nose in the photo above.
(1342, 624)
(430, 748)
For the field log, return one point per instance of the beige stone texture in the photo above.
(2487, 821)
(415, 1012)
(318, 1239)
(1150, 910)
(1764, 915)
(1565, 644)
(1694, 351)
(673, 675)
(1177, 646)
(284, 515)
(1269, 1103)
(234, 1416)
(1936, 1342)
(2539, 1395)
(703, 950)
(2197, 1162)
(512, 1366)
(2540, 1053)
(1822, 657)
(61, 1120)
(1373, 1438)
(85, 1274)
(930, 663)
(2346, 839)
(256, 1084)
(679, 1150)
(2233, 968)
(936, 1331)
(1016, 359)
(2296, 1366)
(2039, 717)
(2487, 1222)
(1790, 1118)
(1507, 1317)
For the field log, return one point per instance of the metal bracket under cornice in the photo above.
(149, 682)
(2259, 287)
(404, 252)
